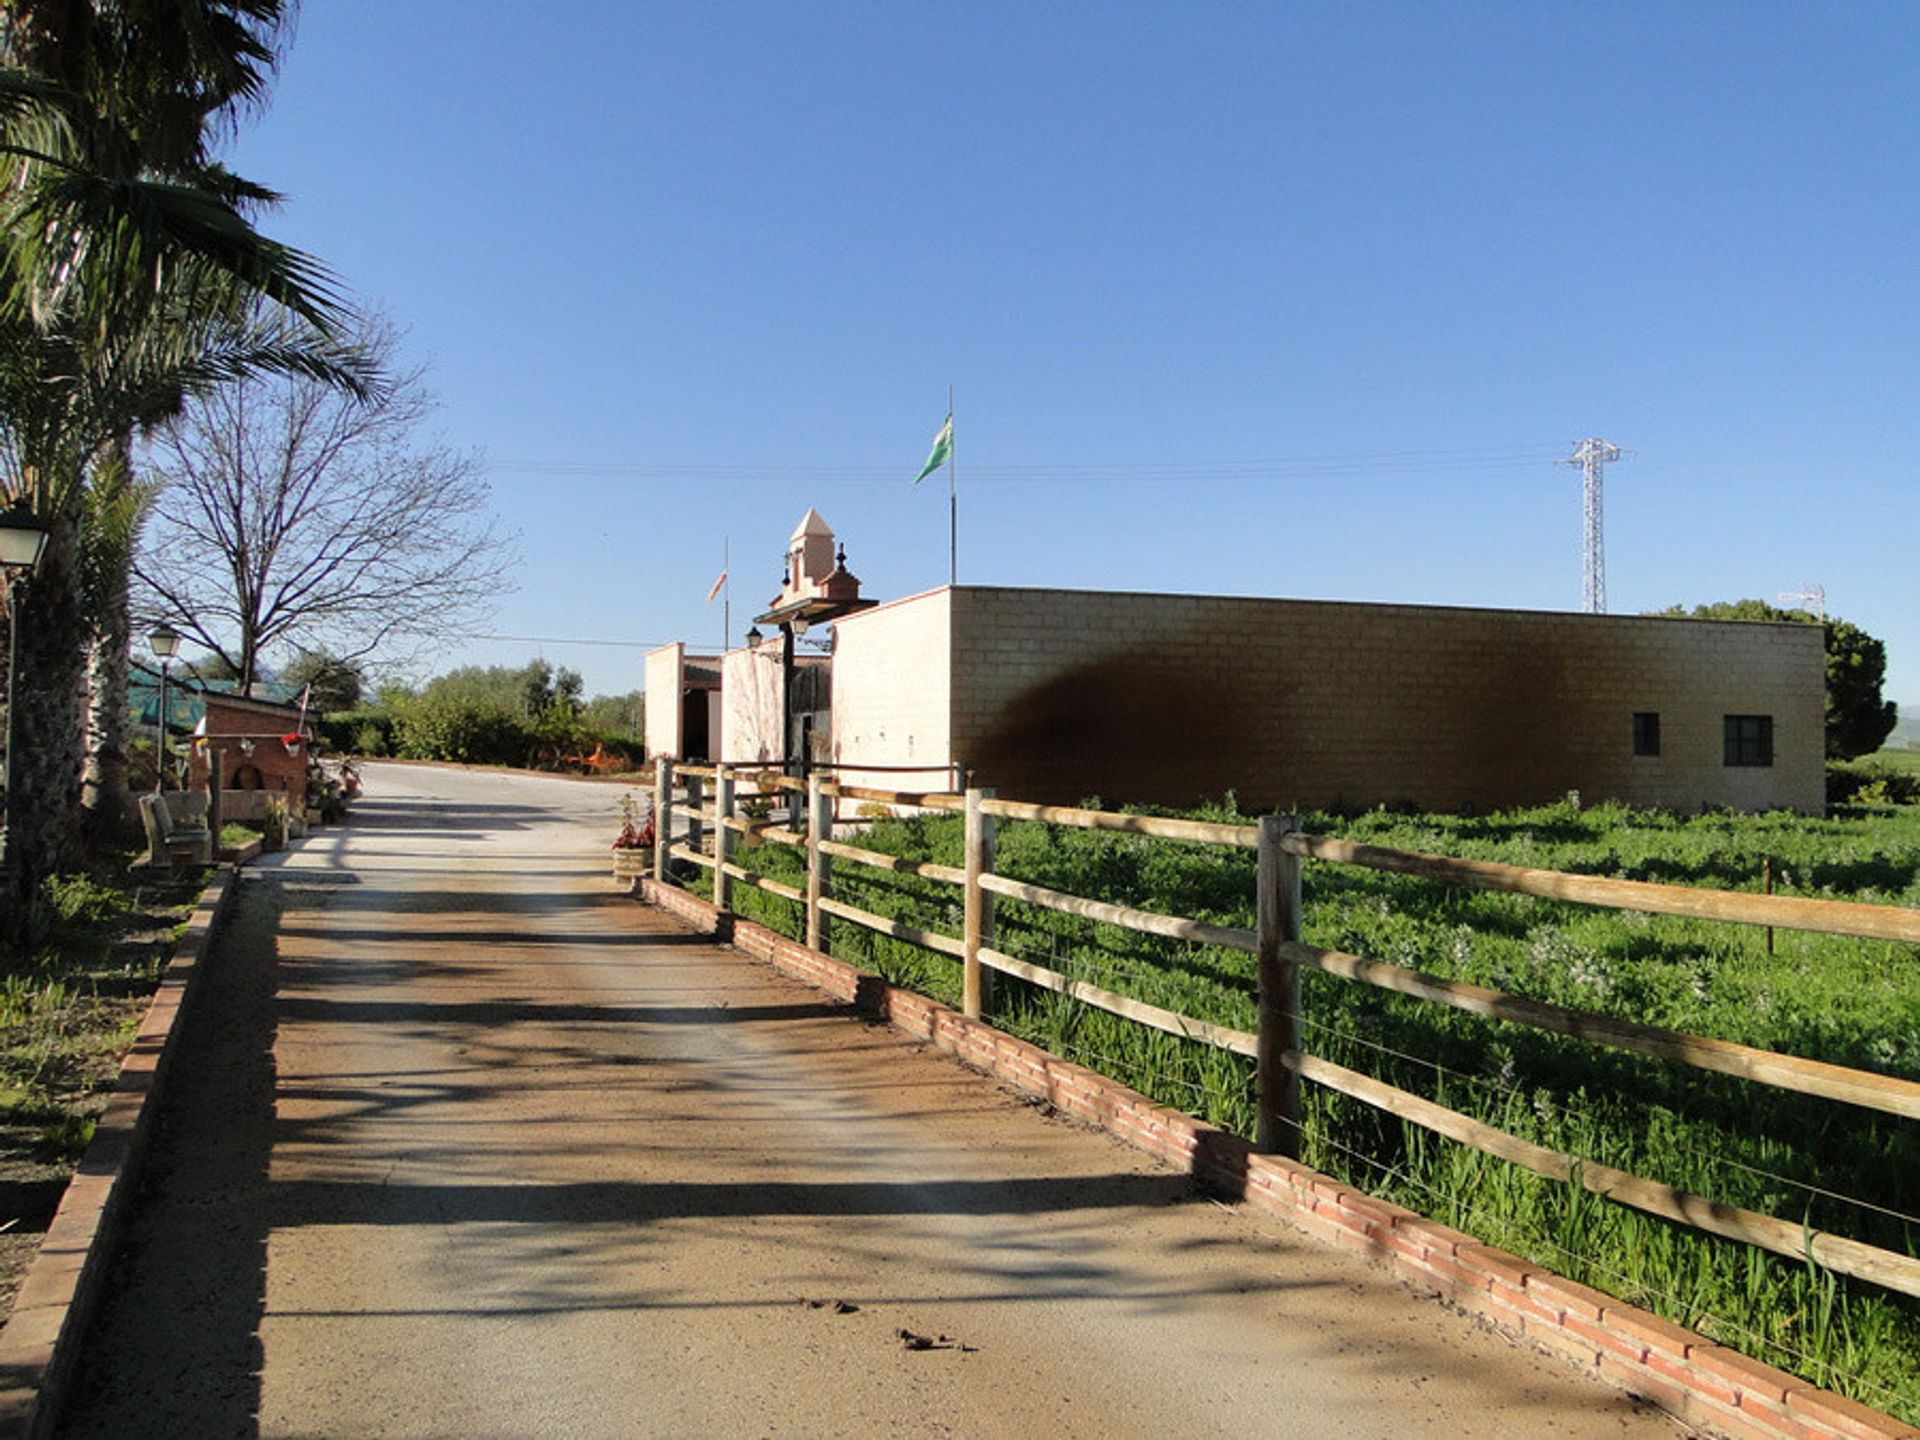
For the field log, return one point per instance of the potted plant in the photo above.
(633, 847)
(273, 826)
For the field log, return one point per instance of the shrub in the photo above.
(358, 732)
(1867, 783)
(448, 725)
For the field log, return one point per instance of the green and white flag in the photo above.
(941, 453)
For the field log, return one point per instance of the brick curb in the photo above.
(1703, 1384)
(40, 1346)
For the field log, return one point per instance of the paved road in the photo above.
(466, 1144)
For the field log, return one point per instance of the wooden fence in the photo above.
(1280, 1057)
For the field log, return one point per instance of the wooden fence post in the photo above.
(1277, 1116)
(819, 863)
(722, 837)
(696, 826)
(1766, 884)
(662, 815)
(216, 814)
(976, 985)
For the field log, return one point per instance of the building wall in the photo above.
(751, 705)
(892, 696)
(662, 685)
(1062, 695)
(752, 698)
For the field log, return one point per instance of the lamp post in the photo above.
(23, 540)
(165, 641)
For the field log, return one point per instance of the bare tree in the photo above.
(295, 518)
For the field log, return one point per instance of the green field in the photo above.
(1829, 1166)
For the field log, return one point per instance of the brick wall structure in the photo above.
(271, 767)
(1707, 1385)
(1060, 695)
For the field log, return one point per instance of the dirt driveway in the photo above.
(465, 1144)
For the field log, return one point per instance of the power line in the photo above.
(1135, 472)
(563, 640)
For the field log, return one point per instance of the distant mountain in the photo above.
(1907, 731)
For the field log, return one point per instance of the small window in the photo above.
(1749, 740)
(1646, 732)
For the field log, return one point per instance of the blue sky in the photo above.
(1292, 299)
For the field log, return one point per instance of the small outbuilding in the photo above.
(261, 749)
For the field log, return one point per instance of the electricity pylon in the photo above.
(1592, 457)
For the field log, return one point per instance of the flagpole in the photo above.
(953, 506)
(726, 592)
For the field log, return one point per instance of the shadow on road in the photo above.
(176, 1348)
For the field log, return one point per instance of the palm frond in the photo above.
(114, 507)
(100, 254)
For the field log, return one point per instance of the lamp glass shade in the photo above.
(165, 641)
(22, 539)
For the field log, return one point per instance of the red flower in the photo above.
(635, 839)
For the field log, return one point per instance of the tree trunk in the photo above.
(48, 725)
(115, 509)
(108, 805)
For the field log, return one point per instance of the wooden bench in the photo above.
(176, 825)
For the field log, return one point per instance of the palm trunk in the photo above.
(105, 799)
(48, 722)
(114, 511)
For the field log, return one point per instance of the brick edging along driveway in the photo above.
(1703, 1383)
(40, 1345)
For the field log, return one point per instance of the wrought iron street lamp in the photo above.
(23, 540)
(165, 641)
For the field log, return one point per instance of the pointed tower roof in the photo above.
(810, 524)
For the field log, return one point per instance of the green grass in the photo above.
(1848, 1001)
(236, 833)
(1905, 761)
(70, 999)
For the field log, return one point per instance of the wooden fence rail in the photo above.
(1784, 912)
(1281, 1059)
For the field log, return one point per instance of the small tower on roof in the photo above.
(813, 571)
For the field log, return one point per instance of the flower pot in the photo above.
(630, 864)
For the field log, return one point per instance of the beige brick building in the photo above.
(1060, 695)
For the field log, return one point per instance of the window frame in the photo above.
(1746, 741)
(1646, 734)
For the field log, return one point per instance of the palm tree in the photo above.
(129, 273)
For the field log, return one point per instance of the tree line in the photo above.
(531, 714)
